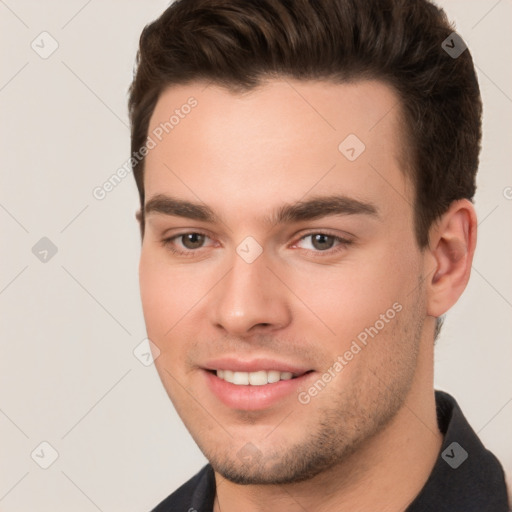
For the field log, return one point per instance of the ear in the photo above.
(452, 241)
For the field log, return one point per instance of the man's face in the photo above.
(249, 291)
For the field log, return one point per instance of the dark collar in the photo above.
(465, 478)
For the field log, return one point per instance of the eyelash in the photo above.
(190, 253)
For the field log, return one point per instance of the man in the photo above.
(306, 171)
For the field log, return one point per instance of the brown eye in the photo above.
(192, 240)
(323, 244)
(321, 241)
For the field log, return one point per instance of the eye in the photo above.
(187, 243)
(323, 242)
(192, 240)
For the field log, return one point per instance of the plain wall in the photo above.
(68, 375)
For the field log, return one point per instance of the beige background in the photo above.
(68, 375)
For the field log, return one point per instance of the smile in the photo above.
(259, 378)
(256, 390)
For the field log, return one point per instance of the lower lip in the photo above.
(252, 398)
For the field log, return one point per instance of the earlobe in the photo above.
(452, 246)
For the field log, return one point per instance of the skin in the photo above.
(245, 155)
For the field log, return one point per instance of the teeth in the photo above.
(259, 378)
(273, 376)
(241, 378)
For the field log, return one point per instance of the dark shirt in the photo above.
(466, 477)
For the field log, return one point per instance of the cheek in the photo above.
(171, 297)
(350, 298)
(153, 294)
(163, 295)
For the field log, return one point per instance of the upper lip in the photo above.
(254, 365)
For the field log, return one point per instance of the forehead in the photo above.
(276, 143)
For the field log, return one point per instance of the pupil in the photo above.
(193, 240)
(319, 241)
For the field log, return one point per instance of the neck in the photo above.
(385, 474)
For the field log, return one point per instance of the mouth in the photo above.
(257, 378)
(256, 390)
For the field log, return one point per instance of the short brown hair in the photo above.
(238, 43)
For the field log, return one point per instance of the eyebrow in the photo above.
(311, 209)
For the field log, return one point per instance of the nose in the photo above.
(250, 299)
